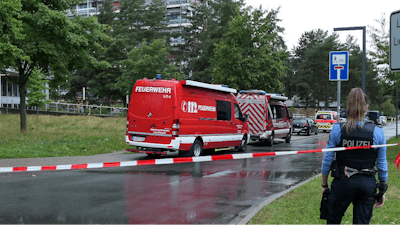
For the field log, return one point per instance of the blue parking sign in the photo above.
(339, 66)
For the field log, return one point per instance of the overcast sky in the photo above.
(299, 16)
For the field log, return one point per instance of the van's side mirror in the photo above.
(245, 117)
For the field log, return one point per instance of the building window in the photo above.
(9, 93)
(4, 87)
(173, 15)
(15, 90)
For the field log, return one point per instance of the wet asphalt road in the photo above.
(203, 192)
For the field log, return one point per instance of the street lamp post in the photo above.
(363, 57)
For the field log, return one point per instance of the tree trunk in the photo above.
(22, 102)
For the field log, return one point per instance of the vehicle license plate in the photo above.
(137, 138)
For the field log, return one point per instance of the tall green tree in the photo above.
(388, 108)
(380, 47)
(107, 14)
(147, 61)
(37, 86)
(251, 55)
(310, 68)
(135, 21)
(315, 73)
(53, 44)
(210, 20)
(373, 83)
(101, 81)
(380, 57)
(10, 32)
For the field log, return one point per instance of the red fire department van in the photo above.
(269, 117)
(185, 116)
(325, 120)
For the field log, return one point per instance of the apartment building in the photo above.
(9, 91)
(177, 11)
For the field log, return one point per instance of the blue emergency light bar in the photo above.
(274, 94)
(253, 92)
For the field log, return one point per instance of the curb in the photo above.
(250, 213)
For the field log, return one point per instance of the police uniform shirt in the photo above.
(379, 139)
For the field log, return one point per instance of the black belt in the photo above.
(351, 171)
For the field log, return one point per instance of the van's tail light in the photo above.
(305, 125)
(127, 123)
(175, 128)
(265, 124)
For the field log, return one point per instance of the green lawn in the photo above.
(301, 205)
(49, 136)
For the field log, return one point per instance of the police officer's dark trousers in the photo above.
(359, 190)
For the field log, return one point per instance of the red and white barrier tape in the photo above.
(182, 160)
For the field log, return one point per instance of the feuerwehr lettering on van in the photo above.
(352, 143)
(162, 90)
(192, 107)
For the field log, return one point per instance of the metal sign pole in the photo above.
(338, 71)
(338, 101)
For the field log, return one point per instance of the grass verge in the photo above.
(301, 205)
(50, 136)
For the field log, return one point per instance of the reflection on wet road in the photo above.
(212, 192)
(202, 192)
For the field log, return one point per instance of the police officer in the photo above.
(353, 170)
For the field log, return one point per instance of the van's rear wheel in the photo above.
(270, 141)
(288, 138)
(243, 144)
(196, 150)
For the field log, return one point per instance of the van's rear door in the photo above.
(255, 107)
(151, 108)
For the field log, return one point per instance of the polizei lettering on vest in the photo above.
(352, 143)
(162, 90)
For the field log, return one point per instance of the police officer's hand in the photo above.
(324, 189)
(380, 204)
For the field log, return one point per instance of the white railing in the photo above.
(86, 109)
